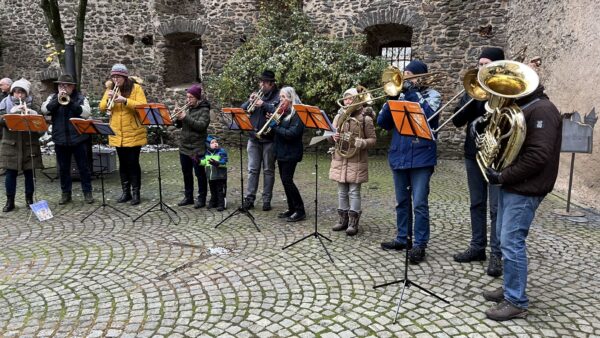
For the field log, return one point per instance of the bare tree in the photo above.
(52, 15)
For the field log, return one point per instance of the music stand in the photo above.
(95, 127)
(239, 121)
(29, 124)
(314, 118)
(156, 114)
(410, 120)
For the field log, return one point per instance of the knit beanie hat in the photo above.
(350, 92)
(21, 83)
(195, 90)
(416, 67)
(119, 69)
(210, 138)
(492, 53)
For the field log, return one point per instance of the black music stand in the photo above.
(156, 114)
(314, 118)
(98, 128)
(239, 121)
(410, 120)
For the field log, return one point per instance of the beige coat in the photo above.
(356, 168)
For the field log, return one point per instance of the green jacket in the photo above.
(19, 150)
(194, 130)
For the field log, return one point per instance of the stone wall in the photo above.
(566, 34)
(156, 39)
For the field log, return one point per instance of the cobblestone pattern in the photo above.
(110, 277)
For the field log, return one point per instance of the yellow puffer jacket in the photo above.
(124, 121)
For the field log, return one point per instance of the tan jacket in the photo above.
(356, 168)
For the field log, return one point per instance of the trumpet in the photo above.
(257, 96)
(63, 98)
(185, 108)
(116, 92)
(276, 116)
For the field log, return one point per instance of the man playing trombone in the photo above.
(69, 103)
(260, 151)
(193, 119)
(479, 190)
(412, 161)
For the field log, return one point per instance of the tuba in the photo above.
(504, 133)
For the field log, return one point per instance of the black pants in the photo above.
(218, 189)
(286, 174)
(187, 166)
(63, 157)
(129, 166)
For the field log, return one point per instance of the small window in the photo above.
(398, 56)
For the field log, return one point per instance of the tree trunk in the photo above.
(79, 36)
(52, 15)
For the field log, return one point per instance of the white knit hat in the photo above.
(21, 83)
(351, 92)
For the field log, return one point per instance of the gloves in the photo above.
(213, 162)
(494, 176)
(360, 143)
(474, 126)
(407, 86)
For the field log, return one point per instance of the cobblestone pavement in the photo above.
(112, 277)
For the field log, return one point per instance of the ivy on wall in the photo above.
(286, 42)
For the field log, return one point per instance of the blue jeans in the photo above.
(478, 194)
(10, 182)
(412, 188)
(515, 214)
(260, 153)
(187, 165)
(63, 158)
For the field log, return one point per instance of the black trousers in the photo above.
(129, 165)
(292, 194)
(218, 189)
(187, 167)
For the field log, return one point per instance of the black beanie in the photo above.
(492, 53)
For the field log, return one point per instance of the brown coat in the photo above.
(356, 168)
(19, 150)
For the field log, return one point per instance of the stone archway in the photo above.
(182, 51)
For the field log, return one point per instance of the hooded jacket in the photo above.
(214, 172)
(193, 130)
(19, 150)
(534, 171)
(129, 131)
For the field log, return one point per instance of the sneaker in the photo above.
(285, 214)
(248, 205)
(505, 311)
(393, 245)
(494, 268)
(416, 255)
(266, 206)
(297, 216)
(470, 255)
(88, 198)
(496, 295)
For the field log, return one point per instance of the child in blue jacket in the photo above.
(215, 163)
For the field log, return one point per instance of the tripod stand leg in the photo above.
(430, 293)
(298, 241)
(406, 284)
(90, 214)
(323, 245)
(235, 212)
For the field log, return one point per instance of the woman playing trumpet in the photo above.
(193, 119)
(130, 134)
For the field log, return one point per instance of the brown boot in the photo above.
(342, 223)
(353, 218)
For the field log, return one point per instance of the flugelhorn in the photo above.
(63, 98)
(185, 108)
(25, 110)
(257, 96)
(276, 116)
(116, 92)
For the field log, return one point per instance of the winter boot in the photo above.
(187, 200)
(353, 218)
(29, 198)
(342, 223)
(200, 202)
(220, 199)
(10, 203)
(126, 196)
(136, 184)
(88, 197)
(65, 198)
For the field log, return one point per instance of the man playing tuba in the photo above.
(355, 133)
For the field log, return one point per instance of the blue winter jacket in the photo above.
(407, 152)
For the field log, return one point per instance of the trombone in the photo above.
(392, 79)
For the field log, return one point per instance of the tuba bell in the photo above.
(504, 134)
